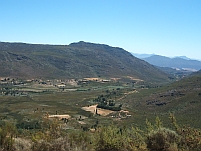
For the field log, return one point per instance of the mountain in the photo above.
(183, 57)
(177, 62)
(141, 56)
(77, 60)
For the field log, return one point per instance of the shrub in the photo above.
(108, 138)
(7, 134)
(53, 139)
(60, 144)
(112, 138)
(190, 139)
(162, 139)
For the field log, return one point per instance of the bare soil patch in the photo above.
(100, 111)
(135, 79)
(59, 116)
(92, 79)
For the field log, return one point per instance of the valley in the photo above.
(28, 98)
(82, 90)
(34, 99)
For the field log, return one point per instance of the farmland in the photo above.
(29, 101)
(73, 105)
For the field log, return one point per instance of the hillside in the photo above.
(181, 98)
(198, 73)
(76, 60)
(177, 62)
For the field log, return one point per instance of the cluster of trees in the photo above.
(9, 91)
(105, 103)
(155, 137)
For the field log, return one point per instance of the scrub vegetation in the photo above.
(155, 137)
(117, 107)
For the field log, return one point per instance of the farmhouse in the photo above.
(61, 85)
(105, 80)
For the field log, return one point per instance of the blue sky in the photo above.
(164, 27)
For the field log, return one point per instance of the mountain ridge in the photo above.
(76, 60)
(176, 62)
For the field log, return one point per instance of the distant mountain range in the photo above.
(141, 56)
(77, 60)
(181, 62)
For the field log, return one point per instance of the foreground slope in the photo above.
(76, 60)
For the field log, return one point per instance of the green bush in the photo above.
(53, 139)
(112, 138)
(7, 134)
(162, 139)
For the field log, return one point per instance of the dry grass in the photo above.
(22, 144)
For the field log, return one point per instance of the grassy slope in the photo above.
(183, 98)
